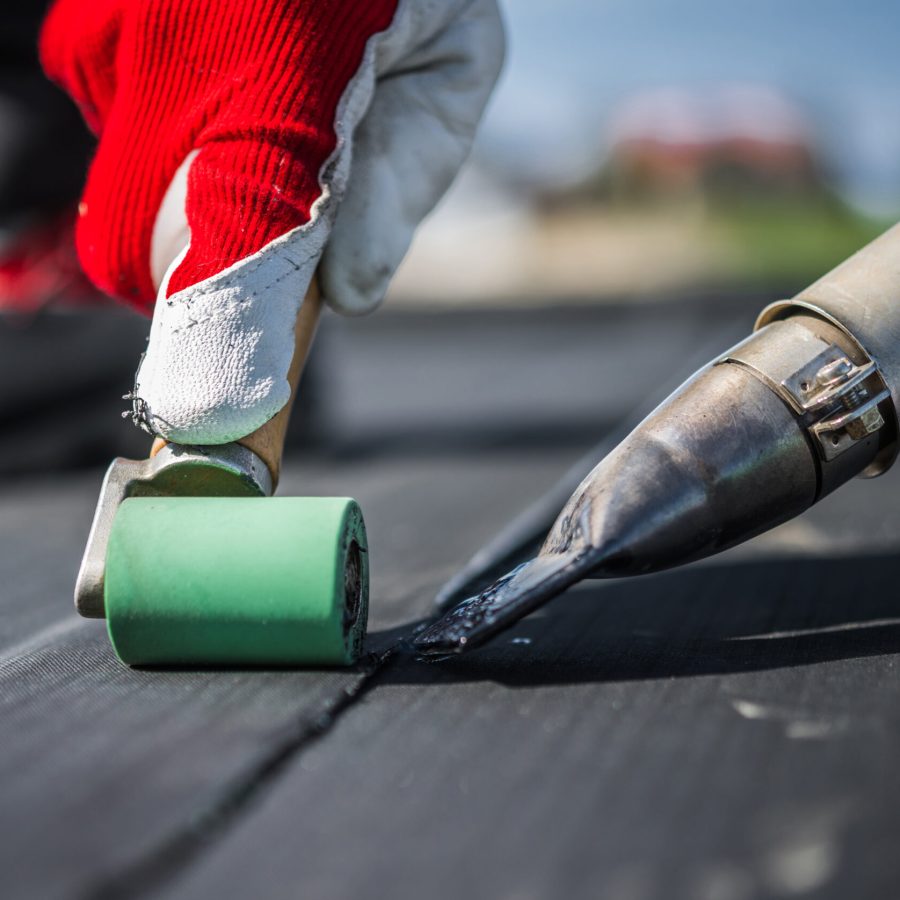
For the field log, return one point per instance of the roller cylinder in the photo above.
(237, 581)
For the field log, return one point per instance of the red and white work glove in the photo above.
(246, 144)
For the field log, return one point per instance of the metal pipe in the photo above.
(764, 431)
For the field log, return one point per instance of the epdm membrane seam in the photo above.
(155, 870)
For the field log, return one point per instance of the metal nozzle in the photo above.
(747, 443)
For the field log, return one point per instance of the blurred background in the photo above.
(693, 159)
(637, 148)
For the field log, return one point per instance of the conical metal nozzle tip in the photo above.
(722, 460)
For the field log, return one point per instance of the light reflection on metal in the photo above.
(750, 441)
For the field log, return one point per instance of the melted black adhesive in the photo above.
(470, 616)
(498, 607)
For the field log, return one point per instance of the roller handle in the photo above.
(267, 442)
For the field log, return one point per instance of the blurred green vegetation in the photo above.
(776, 224)
(790, 241)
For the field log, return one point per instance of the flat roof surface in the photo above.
(724, 731)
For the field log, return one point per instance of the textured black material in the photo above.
(665, 740)
(720, 732)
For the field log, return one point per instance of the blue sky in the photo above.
(571, 62)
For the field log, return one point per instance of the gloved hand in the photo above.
(244, 144)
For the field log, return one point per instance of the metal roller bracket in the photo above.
(229, 470)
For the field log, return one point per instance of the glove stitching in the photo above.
(238, 277)
(230, 304)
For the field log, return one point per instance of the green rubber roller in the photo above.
(237, 581)
(193, 563)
